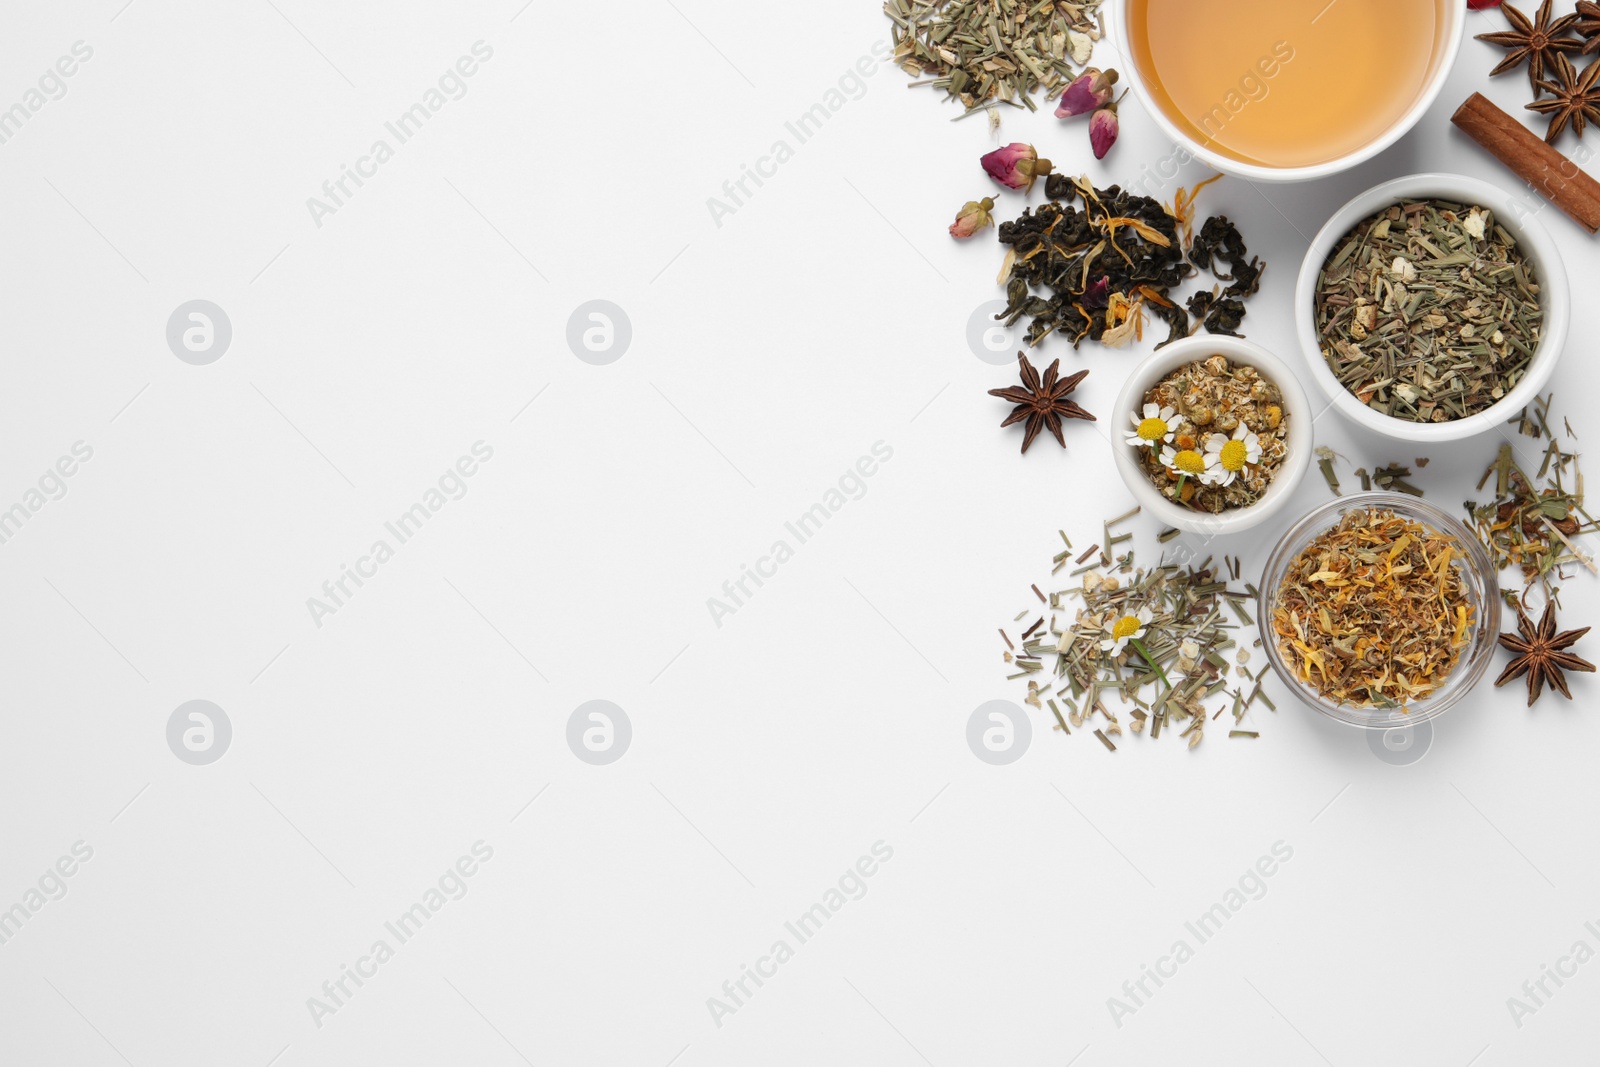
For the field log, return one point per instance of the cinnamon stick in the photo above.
(1552, 175)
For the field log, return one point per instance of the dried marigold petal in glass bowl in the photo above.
(1380, 610)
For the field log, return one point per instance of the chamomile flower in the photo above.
(1232, 453)
(1126, 628)
(1157, 425)
(1186, 462)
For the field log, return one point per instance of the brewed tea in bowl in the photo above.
(1287, 90)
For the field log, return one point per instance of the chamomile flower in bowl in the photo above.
(1186, 463)
(1152, 427)
(1219, 434)
(1233, 455)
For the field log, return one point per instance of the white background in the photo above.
(769, 353)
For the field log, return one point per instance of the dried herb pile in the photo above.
(983, 52)
(1090, 262)
(1155, 638)
(1428, 311)
(1374, 612)
(1532, 523)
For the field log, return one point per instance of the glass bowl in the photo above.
(1480, 581)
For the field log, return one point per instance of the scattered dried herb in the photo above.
(1042, 404)
(986, 52)
(1119, 255)
(1211, 435)
(1155, 637)
(1374, 612)
(1393, 478)
(1325, 457)
(1428, 311)
(1537, 424)
(1540, 653)
(1535, 41)
(1531, 523)
(1574, 98)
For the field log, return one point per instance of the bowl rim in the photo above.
(1118, 25)
(1537, 244)
(1150, 369)
(1323, 517)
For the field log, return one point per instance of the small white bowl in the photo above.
(1532, 239)
(1452, 11)
(1295, 406)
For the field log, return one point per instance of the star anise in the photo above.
(1042, 403)
(1588, 26)
(1573, 99)
(1540, 654)
(1535, 42)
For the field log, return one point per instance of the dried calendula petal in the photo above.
(1374, 612)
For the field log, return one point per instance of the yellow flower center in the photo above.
(1190, 462)
(1152, 429)
(1234, 454)
(1126, 626)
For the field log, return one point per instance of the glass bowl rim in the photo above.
(1323, 517)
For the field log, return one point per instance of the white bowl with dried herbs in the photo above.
(1431, 308)
(1212, 434)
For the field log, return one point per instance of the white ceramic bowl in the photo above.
(1533, 240)
(1454, 14)
(1295, 406)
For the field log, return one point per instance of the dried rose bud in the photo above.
(1016, 166)
(973, 216)
(1103, 130)
(1088, 91)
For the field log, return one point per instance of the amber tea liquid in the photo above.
(1285, 83)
